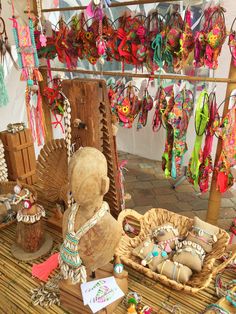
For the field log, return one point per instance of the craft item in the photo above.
(4, 95)
(216, 308)
(90, 233)
(210, 38)
(146, 106)
(19, 155)
(43, 270)
(47, 294)
(232, 230)
(160, 104)
(178, 118)
(189, 254)
(98, 294)
(118, 268)
(52, 174)
(215, 36)
(3, 165)
(26, 50)
(70, 262)
(15, 127)
(29, 233)
(186, 39)
(165, 236)
(151, 254)
(167, 155)
(206, 167)
(154, 26)
(5, 48)
(227, 159)
(33, 100)
(203, 234)
(174, 25)
(175, 271)
(201, 121)
(5, 207)
(42, 37)
(97, 117)
(126, 104)
(232, 42)
(156, 217)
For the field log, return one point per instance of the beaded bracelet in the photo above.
(217, 308)
(15, 127)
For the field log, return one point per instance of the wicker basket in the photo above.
(156, 217)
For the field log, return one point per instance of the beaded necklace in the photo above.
(70, 261)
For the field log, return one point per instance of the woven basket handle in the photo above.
(222, 266)
(129, 212)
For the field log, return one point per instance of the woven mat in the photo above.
(16, 282)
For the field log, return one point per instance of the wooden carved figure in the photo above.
(29, 232)
(90, 233)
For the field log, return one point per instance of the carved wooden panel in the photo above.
(89, 103)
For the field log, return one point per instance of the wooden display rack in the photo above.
(215, 196)
(71, 298)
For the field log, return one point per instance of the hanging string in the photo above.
(12, 8)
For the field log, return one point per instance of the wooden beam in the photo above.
(146, 75)
(214, 202)
(46, 110)
(113, 5)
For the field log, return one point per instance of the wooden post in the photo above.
(46, 110)
(215, 196)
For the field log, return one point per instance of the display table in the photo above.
(16, 276)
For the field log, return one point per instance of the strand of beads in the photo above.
(67, 123)
(3, 165)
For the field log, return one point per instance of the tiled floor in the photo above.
(149, 188)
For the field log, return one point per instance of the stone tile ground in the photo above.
(148, 188)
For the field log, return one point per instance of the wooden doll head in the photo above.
(88, 177)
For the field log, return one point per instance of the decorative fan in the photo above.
(52, 171)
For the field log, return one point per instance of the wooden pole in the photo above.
(46, 110)
(215, 196)
(146, 75)
(113, 5)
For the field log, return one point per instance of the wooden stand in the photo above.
(21, 255)
(30, 236)
(71, 298)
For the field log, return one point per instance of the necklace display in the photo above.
(70, 262)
